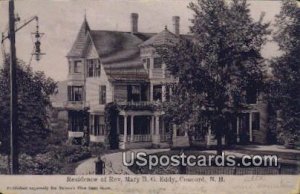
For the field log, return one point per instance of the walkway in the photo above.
(271, 148)
(113, 162)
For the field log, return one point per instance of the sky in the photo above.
(60, 20)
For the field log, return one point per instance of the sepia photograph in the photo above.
(148, 92)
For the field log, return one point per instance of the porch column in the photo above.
(151, 92)
(186, 126)
(209, 136)
(118, 125)
(125, 129)
(156, 125)
(131, 128)
(174, 131)
(237, 130)
(163, 93)
(156, 136)
(152, 128)
(91, 124)
(250, 127)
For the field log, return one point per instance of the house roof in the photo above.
(164, 37)
(80, 43)
(119, 52)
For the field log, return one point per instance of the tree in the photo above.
(217, 65)
(34, 90)
(285, 92)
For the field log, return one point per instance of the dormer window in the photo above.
(157, 63)
(77, 66)
(94, 68)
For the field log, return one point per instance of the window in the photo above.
(94, 68)
(97, 70)
(157, 92)
(157, 64)
(102, 94)
(133, 93)
(77, 66)
(90, 66)
(75, 93)
(70, 67)
(244, 121)
(148, 63)
(255, 121)
(167, 93)
(97, 125)
(251, 95)
(76, 122)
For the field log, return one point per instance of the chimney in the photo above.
(176, 20)
(134, 22)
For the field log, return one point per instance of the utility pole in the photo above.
(14, 163)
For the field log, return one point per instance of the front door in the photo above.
(244, 128)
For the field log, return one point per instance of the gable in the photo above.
(91, 52)
(80, 42)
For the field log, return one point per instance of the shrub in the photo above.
(79, 156)
(111, 114)
(3, 164)
(73, 153)
(96, 148)
(39, 164)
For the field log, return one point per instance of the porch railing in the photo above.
(165, 137)
(136, 138)
(139, 103)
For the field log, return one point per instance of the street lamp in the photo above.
(14, 164)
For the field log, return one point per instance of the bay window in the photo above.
(75, 93)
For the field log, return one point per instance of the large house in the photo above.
(123, 67)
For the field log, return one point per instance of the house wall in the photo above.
(93, 83)
(260, 136)
(120, 93)
(92, 91)
(76, 78)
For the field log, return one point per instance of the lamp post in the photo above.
(14, 163)
(14, 131)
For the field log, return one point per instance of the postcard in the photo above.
(150, 96)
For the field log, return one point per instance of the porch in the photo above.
(77, 124)
(138, 129)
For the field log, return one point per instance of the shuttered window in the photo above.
(102, 95)
(255, 121)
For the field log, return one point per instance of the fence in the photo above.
(239, 170)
